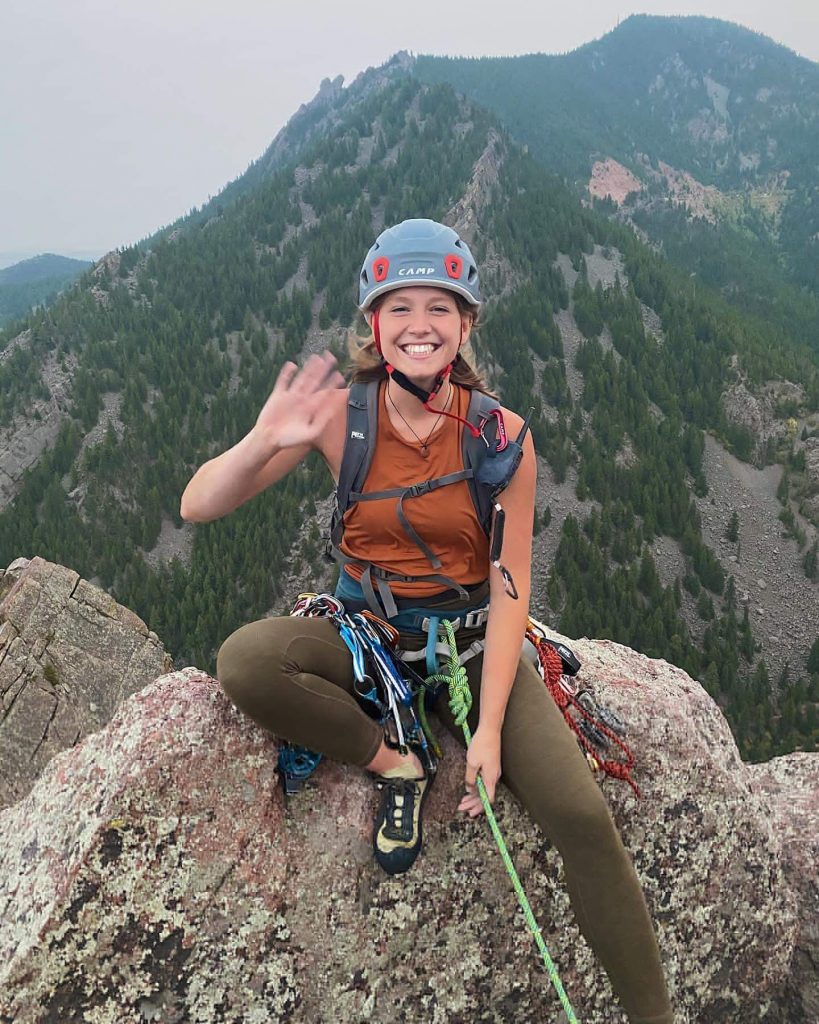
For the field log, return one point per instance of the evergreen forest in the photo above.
(184, 335)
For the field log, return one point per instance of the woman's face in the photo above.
(421, 331)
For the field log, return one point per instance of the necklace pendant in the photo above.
(424, 451)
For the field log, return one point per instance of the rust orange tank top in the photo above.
(445, 518)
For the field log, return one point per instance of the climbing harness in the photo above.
(460, 703)
(296, 765)
(598, 729)
(391, 690)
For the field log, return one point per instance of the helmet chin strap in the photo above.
(425, 397)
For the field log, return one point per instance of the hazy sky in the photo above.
(119, 117)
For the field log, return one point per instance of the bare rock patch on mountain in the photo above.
(610, 178)
(784, 610)
(23, 442)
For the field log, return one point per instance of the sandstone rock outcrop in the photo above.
(69, 655)
(156, 873)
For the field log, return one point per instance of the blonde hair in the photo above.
(365, 364)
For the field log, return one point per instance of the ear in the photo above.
(466, 328)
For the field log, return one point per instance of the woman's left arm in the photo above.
(506, 625)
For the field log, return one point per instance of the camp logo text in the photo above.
(415, 271)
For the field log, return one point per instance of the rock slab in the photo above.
(69, 656)
(156, 873)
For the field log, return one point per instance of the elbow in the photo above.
(191, 514)
(187, 513)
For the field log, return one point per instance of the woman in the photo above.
(419, 292)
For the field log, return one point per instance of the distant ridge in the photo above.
(35, 281)
(40, 268)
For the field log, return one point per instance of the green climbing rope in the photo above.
(460, 701)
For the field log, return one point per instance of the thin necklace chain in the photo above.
(423, 443)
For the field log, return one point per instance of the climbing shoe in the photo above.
(397, 835)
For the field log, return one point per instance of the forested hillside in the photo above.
(719, 127)
(171, 348)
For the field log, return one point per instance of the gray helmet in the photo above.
(418, 252)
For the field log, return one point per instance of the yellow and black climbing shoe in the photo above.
(397, 835)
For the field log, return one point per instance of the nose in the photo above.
(419, 323)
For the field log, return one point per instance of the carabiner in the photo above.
(349, 637)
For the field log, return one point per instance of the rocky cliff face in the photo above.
(156, 873)
(69, 656)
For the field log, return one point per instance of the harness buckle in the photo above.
(471, 620)
(476, 617)
(418, 489)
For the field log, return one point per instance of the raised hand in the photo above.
(299, 406)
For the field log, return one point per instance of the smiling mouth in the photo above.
(419, 350)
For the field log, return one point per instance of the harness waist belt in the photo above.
(415, 619)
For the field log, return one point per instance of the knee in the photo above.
(246, 660)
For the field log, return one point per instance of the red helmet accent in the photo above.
(454, 265)
(381, 267)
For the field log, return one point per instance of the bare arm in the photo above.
(234, 477)
(505, 627)
(291, 423)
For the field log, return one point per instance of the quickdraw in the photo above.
(597, 728)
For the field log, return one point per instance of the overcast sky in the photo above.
(119, 117)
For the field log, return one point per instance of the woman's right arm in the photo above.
(234, 477)
(288, 427)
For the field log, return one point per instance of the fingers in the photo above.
(471, 802)
(471, 806)
(317, 374)
(285, 378)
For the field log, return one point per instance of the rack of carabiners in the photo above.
(388, 689)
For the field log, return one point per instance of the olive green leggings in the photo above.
(294, 677)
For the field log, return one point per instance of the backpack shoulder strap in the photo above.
(359, 445)
(474, 451)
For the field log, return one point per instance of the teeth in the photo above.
(419, 349)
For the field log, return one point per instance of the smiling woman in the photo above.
(418, 528)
